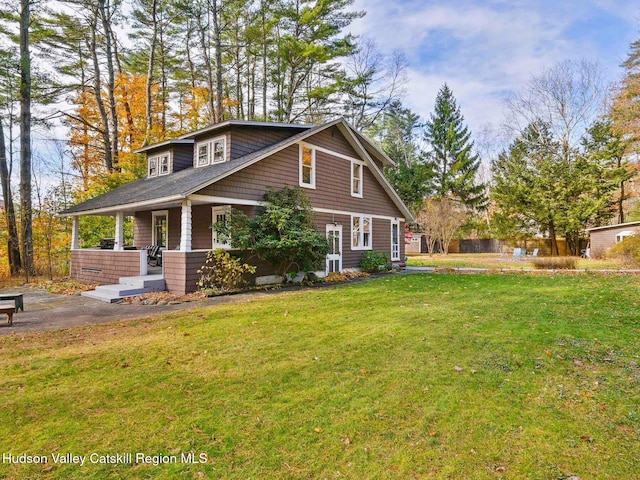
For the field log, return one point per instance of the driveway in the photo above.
(48, 311)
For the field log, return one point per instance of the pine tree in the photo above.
(398, 133)
(451, 155)
(626, 106)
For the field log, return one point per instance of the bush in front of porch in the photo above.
(282, 233)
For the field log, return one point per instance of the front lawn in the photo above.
(494, 261)
(406, 376)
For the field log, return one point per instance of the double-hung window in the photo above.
(164, 165)
(211, 151)
(203, 155)
(395, 240)
(220, 215)
(307, 168)
(153, 167)
(356, 179)
(361, 232)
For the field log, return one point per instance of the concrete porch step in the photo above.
(155, 283)
(103, 296)
(128, 287)
(122, 290)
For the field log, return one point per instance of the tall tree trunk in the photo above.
(25, 140)
(163, 78)
(152, 58)
(97, 90)
(265, 46)
(554, 240)
(125, 93)
(207, 62)
(105, 16)
(13, 243)
(621, 198)
(217, 41)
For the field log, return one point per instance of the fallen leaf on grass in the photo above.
(318, 429)
(587, 438)
(432, 434)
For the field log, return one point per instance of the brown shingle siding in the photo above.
(246, 140)
(104, 266)
(333, 180)
(182, 157)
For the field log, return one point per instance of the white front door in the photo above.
(334, 257)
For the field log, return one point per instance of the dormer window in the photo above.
(203, 155)
(211, 151)
(164, 165)
(158, 165)
(153, 166)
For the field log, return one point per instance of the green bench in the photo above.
(16, 297)
(8, 311)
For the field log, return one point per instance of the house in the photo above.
(603, 238)
(417, 244)
(193, 181)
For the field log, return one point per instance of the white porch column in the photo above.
(119, 243)
(75, 233)
(185, 227)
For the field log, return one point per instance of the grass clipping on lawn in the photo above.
(409, 376)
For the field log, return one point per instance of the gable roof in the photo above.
(178, 185)
(619, 225)
(166, 143)
(243, 123)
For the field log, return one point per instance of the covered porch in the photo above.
(181, 228)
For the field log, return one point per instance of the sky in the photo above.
(487, 50)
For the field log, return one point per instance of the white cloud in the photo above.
(483, 50)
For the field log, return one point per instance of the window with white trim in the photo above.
(203, 155)
(395, 240)
(356, 179)
(211, 151)
(152, 167)
(307, 167)
(160, 230)
(361, 232)
(164, 165)
(220, 214)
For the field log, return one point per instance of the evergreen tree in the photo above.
(626, 103)
(397, 134)
(451, 156)
(539, 189)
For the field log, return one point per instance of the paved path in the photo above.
(48, 311)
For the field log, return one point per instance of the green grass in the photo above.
(494, 261)
(354, 381)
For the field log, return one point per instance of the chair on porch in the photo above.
(154, 255)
